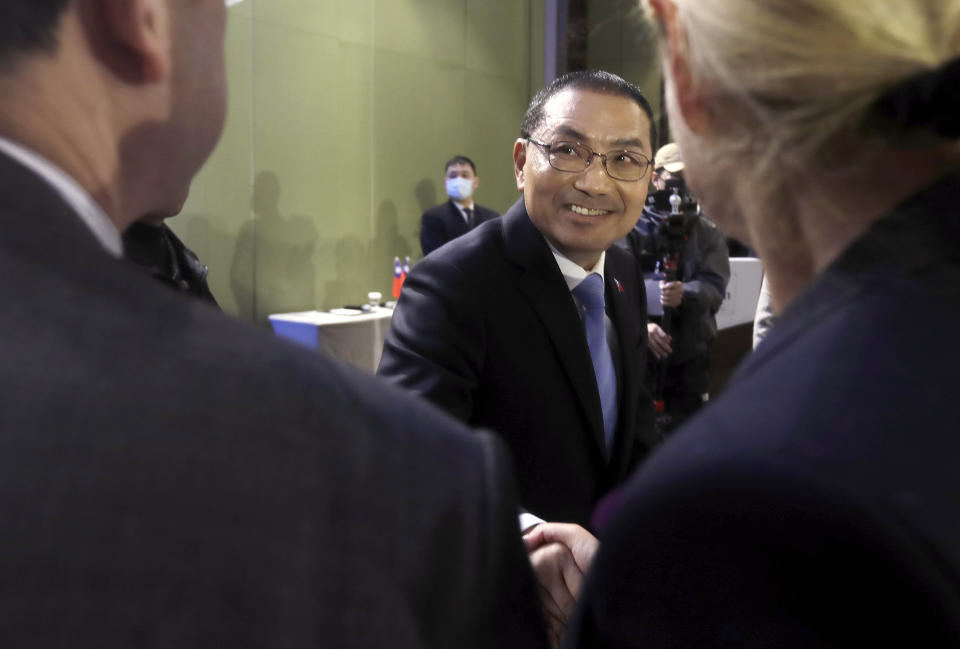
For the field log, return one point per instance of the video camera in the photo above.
(678, 206)
(662, 200)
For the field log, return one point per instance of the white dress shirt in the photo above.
(573, 274)
(463, 210)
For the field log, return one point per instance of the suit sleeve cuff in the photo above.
(528, 520)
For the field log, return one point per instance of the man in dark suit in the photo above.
(459, 215)
(489, 329)
(171, 476)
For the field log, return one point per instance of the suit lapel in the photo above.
(540, 281)
(624, 301)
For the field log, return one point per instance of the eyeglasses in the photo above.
(574, 158)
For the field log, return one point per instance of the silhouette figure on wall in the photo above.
(272, 270)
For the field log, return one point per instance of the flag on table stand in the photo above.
(398, 277)
(406, 270)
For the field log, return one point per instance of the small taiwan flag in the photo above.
(398, 277)
(619, 285)
(406, 269)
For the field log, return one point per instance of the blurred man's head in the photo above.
(126, 96)
(667, 165)
(583, 162)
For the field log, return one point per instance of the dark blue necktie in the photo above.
(590, 294)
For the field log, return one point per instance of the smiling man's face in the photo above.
(582, 214)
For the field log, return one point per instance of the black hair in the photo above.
(460, 160)
(596, 80)
(28, 25)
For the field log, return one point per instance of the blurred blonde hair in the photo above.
(795, 74)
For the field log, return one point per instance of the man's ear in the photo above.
(140, 31)
(519, 160)
(690, 100)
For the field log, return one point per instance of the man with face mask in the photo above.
(458, 215)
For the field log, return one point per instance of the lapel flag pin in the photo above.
(619, 285)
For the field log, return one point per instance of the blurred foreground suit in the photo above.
(173, 478)
(814, 503)
(487, 329)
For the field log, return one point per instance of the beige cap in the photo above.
(668, 157)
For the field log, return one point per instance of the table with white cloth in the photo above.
(349, 335)
(735, 320)
(743, 289)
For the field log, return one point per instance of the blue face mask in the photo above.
(459, 188)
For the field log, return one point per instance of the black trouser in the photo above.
(683, 389)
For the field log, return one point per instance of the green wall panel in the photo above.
(219, 205)
(315, 16)
(620, 41)
(498, 37)
(342, 113)
(492, 134)
(433, 30)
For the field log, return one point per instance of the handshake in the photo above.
(560, 554)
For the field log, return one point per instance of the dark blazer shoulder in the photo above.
(484, 213)
(439, 225)
(763, 535)
(441, 210)
(477, 249)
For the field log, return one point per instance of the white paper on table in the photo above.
(653, 297)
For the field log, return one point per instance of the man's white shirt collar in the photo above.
(573, 274)
(463, 210)
(70, 190)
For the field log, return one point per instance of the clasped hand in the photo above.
(560, 554)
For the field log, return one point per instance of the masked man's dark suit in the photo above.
(443, 223)
(172, 477)
(487, 329)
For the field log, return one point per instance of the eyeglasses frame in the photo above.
(603, 159)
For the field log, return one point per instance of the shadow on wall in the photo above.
(348, 286)
(272, 269)
(386, 244)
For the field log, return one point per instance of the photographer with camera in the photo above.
(675, 244)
